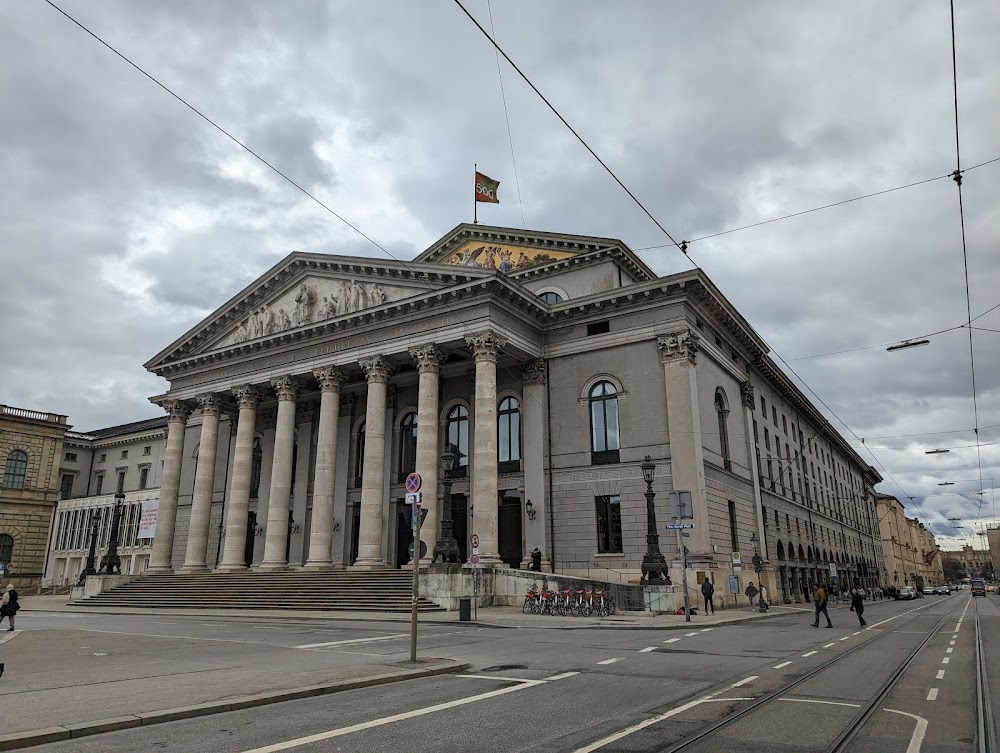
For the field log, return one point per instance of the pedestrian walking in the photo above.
(708, 590)
(536, 560)
(764, 603)
(820, 600)
(858, 604)
(9, 605)
(751, 593)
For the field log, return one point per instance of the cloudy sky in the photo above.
(125, 218)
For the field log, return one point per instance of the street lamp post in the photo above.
(654, 566)
(758, 566)
(95, 522)
(111, 562)
(446, 548)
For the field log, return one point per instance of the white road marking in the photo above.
(744, 681)
(609, 661)
(809, 654)
(356, 640)
(705, 630)
(946, 660)
(725, 700)
(162, 623)
(955, 636)
(845, 637)
(783, 664)
(501, 679)
(394, 718)
(857, 633)
(647, 650)
(671, 640)
(829, 644)
(932, 694)
(563, 676)
(951, 643)
(688, 635)
(918, 733)
(940, 674)
(829, 703)
(949, 650)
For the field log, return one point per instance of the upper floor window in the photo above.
(605, 440)
(6, 547)
(609, 524)
(71, 456)
(143, 478)
(256, 462)
(124, 454)
(509, 434)
(147, 450)
(723, 413)
(120, 487)
(458, 439)
(15, 470)
(99, 484)
(550, 297)
(359, 455)
(408, 445)
(104, 456)
(66, 486)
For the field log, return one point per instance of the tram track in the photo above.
(985, 727)
(844, 739)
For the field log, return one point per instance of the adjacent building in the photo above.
(31, 445)
(912, 555)
(972, 562)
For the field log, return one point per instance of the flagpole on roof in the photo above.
(475, 207)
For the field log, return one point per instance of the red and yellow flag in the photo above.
(486, 189)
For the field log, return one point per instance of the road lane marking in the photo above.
(394, 718)
(501, 679)
(845, 637)
(955, 636)
(162, 623)
(356, 640)
(918, 733)
(688, 635)
(726, 700)
(609, 661)
(951, 643)
(705, 630)
(671, 640)
(809, 654)
(949, 650)
(647, 649)
(744, 681)
(563, 676)
(829, 703)
(783, 664)
(932, 694)
(940, 674)
(857, 633)
(829, 644)
(946, 660)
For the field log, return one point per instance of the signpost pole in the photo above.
(413, 487)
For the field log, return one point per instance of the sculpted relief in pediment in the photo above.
(312, 301)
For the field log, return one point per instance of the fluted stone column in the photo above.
(428, 359)
(233, 553)
(486, 503)
(321, 530)
(204, 483)
(377, 370)
(276, 533)
(166, 515)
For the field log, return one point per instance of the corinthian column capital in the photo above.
(247, 396)
(287, 387)
(486, 346)
(678, 346)
(329, 378)
(428, 358)
(210, 403)
(377, 369)
(177, 410)
(746, 394)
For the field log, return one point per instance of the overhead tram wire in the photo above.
(510, 138)
(682, 246)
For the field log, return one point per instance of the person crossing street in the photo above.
(820, 601)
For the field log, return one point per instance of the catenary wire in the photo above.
(510, 138)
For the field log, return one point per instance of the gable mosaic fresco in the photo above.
(501, 257)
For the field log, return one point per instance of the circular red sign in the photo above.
(413, 482)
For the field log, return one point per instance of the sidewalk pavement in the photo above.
(60, 684)
(495, 617)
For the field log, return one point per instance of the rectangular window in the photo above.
(774, 416)
(143, 477)
(99, 484)
(104, 456)
(763, 513)
(770, 473)
(147, 450)
(609, 524)
(66, 486)
(777, 524)
(798, 526)
(598, 328)
(734, 537)
(784, 423)
(767, 439)
(71, 456)
(120, 487)
(756, 439)
(763, 407)
(124, 454)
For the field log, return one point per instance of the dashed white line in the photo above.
(705, 630)
(783, 664)
(828, 645)
(932, 694)
(688, 635)
(609, 661)
(845, 637)
(946, 660)
(857, 633)
(647, 649)
(940, 674)
(744, 681)
(952, 643)
(948, 650)
(809, 654)
(563, 676)
(829, 703)
(671, 640)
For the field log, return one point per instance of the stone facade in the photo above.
(31, 448)
(912, 555)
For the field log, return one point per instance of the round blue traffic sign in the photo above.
(474, 559)
(413, 482)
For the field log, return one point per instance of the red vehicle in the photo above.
(978, 587)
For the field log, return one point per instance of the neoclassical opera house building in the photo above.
(550, 365)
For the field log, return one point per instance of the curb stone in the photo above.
(84, 729)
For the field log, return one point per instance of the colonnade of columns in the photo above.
(377, 369)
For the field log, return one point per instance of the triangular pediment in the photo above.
(306, 291)
(507, 249)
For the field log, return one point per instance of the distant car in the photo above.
(978, 587)
(928, 591)
(991, 589)
(905, 593)
(942, 590)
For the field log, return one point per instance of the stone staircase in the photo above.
(338, 590)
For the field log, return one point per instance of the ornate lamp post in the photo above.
(90, 569)
(446, 548)
(654, 566)
(111, 562)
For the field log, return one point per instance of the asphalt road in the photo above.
(586, 690)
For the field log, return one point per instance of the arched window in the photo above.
(605, 441)
(781, 551)
(407, 445)
(359, 455)
(509, 435)
(550, 297)
(723, 412)
(17, 467)
(256, 461)
(458, 439)
(6, 548)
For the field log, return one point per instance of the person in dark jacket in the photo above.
(708, 590)
(858, 605)
(536, 560)
(9, 605)
(820, 600)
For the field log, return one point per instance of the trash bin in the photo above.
(464, 610)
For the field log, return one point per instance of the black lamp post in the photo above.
(446, 548)
(90, 569)
(111, 563)
(654, 566)
(895, 577)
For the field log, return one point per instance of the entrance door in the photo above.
(510, 529)
(404, 534)
(248, 543)
(355, 533)
(460, 524)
